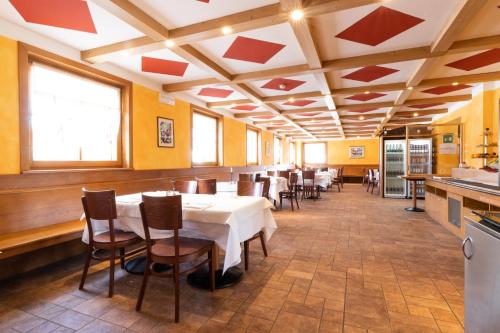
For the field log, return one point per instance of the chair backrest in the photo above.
(284, 174)
(99, 205)
(207, 186)
(257, 177)
(251, 189)
(267, 185)
(246, 177)
(323, 169)
(162, 213)
(294, 178)
(271, 173)
(308, 175)
(185, 186)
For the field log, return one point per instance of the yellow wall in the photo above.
(285, 151)
(480, 113)
(235, 140)
(267, 137)
(9, 108)
(146, 153)
(338, 152)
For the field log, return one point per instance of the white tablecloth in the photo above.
(323, 179)
(278, 184)
(227, 220)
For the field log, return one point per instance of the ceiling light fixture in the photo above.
(415, 114)
(282, 86)
(410, 88)
(291, 100)
(169, 43)
(361, 118)
(232, 105)
(297, 14)
(367, 92)
(227, 30)
(455, 83)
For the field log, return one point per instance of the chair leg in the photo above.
(263, 242)
(338, 186)
(245, 252)
(177, 292)
(86, 267)
(291, 201)
(122, 258)
(112, 273)
(145, 278)
(281, 202)
(212, 268)
(297, 201)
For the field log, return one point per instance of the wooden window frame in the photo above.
(304, 163)
(27, 55)
(219, 118)
(258, 131)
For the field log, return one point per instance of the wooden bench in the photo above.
(16, 243)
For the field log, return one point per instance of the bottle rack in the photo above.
(484, 155)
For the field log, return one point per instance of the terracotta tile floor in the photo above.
(350, 262)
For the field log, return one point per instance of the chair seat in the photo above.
(120, 236)
(187, 246)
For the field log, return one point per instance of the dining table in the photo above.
(321, 178)
(277, 185)
(227, 219)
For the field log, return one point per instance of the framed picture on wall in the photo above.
(165, 132)
(357, 152)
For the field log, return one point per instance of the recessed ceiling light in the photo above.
(291, 99)
(282, 86)
(361, 117)
(410, 88)
(455, 83)
(232, 105)
(297, 14)
(169, 43)
(367, 92)
(415, 114)
(227, 30)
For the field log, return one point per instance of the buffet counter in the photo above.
(450, 200)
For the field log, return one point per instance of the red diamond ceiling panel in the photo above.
(244, 107)
(370, 73)
(252, 50)
(205, 1)
(446, 89)
(477, 61)
(365, 97)
(380, 25)
(300, 102)
(162, 66)
(67, 14)
(287, 84)
(425, 106)
(310, 114)
(264, 117)
(215, 92)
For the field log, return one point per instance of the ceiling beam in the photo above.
(419, 113)
(409, 121)
(476, 44)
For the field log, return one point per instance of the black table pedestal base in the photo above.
(200, 278)
(414, 209)
(137, 266)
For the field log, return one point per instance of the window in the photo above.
(252, 146)
(72, 116)
(315, 153)
(292, 152)
(277, 150)
(205, 134)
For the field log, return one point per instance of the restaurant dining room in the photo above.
(282, 166)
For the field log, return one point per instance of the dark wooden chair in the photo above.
(365, 177)
(271, 173)
(165, 213)
(337, 179)
(267, 186)
(186, 186)
(246, 177)
(101, 205)
(252, 189)
(207, 186)
(292, 192)
(341, 178)
(284, 174)
(309, 188)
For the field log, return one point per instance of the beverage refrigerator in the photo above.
(394, 166)
(420, 162)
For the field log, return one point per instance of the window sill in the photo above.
(39, 171)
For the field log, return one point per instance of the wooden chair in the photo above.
(292, 192)
(271, 173)
(165, 213)
(267, 185)
(365, 177)
(246, 177)
(309, 188)
(376, 180)
(101, 205)
(252, 189)
(284, 174)
(257, 177)
(207, 186)
(186, 186)
(341, 178)
(337, 180)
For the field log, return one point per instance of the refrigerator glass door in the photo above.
(420, 162)
(482, 281)
(394, 166)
